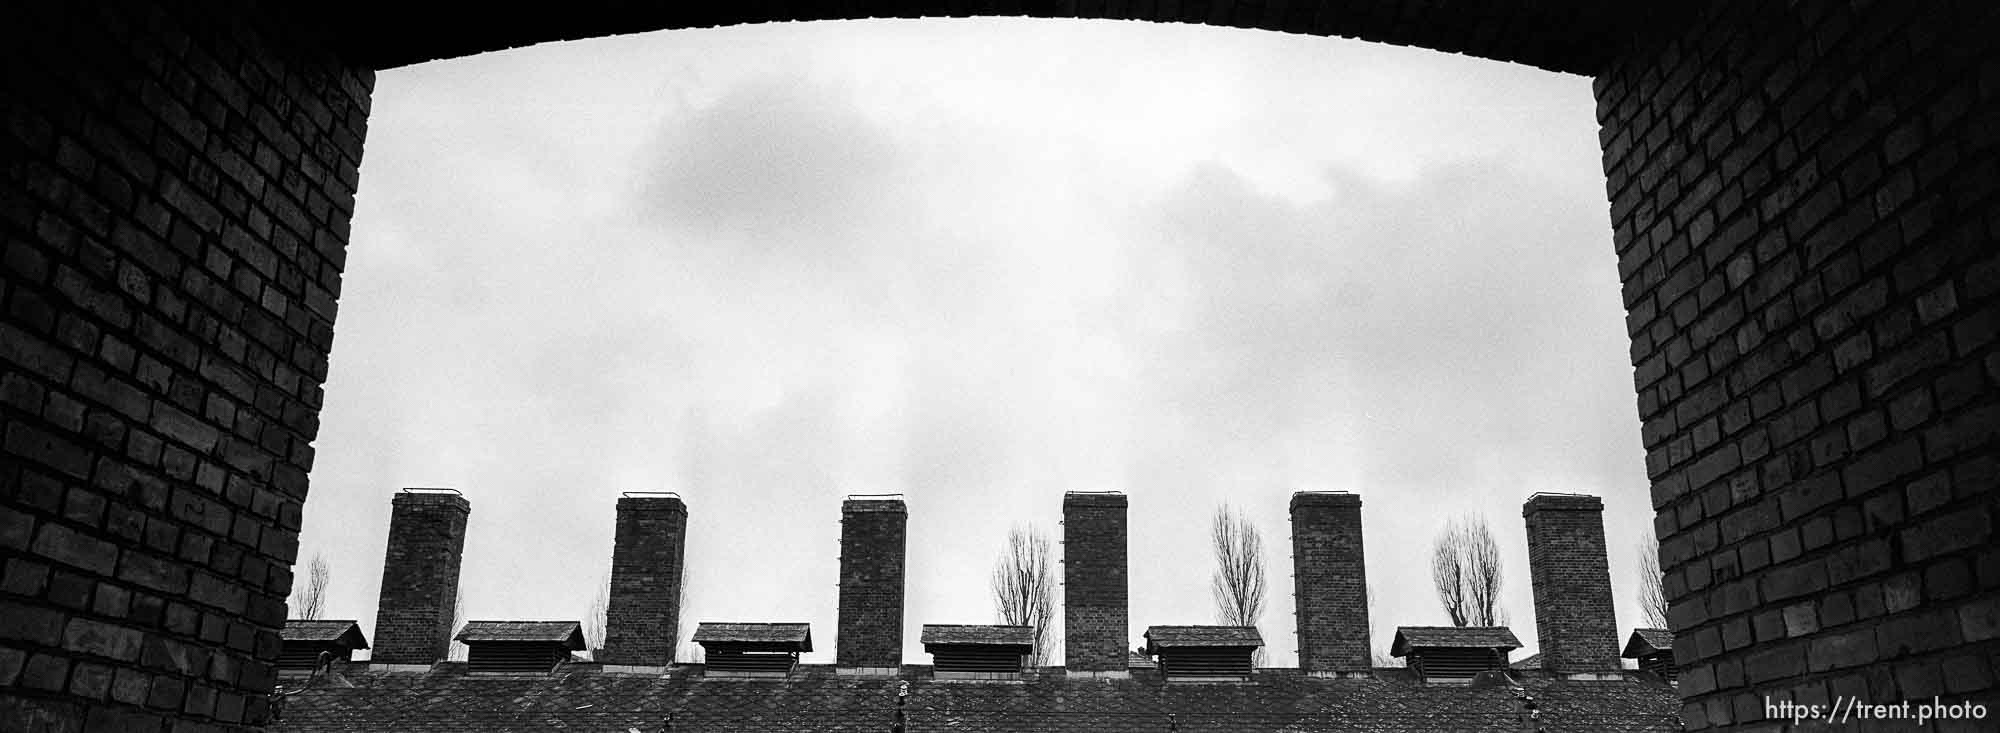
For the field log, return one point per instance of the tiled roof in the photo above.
(709, 632)
(344, 633)
(986, 635)
(816, 700)
(1168, 637)
(1648, 641)
(1534, 661)
(568, 633)
(1140, 661)
(1475, 637)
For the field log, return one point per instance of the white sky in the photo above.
(979, 262)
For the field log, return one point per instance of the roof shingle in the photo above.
(344, 633)
(817, 700)
(1474, 637)
(1648, 641)
(709, 632)
(1169, 637)
(568, 633)
(982, 635)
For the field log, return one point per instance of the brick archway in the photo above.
(1801, 200)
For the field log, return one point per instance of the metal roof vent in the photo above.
(752, 649)
(978, 652)
(1207, 653)
(1454, 653)
(519, 646)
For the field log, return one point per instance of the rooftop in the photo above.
(1464, 637)
(983, 635)
(815, 698)
(709, 632)
(344, 633)
(568, 633)
(1168, 637)
(1648, 641)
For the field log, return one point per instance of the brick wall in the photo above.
(419, 600)
(873, 534)
(1330, 578)
(174, 212)
(1574, 620)
(1096, 592)
(1803, 203)
(642, 618)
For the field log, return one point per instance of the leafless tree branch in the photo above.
(597, 618)
(1465, 571)
(1024, 588)
(1238, 582)
(1652, 583)
(309, 601)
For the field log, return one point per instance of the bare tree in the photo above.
(309, 599)
(1465, 569)
(1238, 582)
(689, 651)
(597, 617)
(457, 651)
(1024, 588)
(1652, 583)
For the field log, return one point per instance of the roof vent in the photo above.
(1654, 648)
(752, 650)
(978, 652)
(1204, 652)
(1454, 653)
(519, 646)
(303, 640)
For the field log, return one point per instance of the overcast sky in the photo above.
(978, 262)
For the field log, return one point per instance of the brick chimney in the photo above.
(1331, 582)
(873, 532)
(420, 576)
(643, 615)
(1573, 613)
(1095, 586)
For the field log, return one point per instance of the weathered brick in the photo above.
(1957, 530)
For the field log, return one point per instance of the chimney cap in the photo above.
(431, 490)
(1097, 498)
(854, 503)
(650, 494)
(1554, 501)
(1325, 498)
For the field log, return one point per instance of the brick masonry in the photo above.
(642, 618)
(1574, 621)
(873, 538)
(1801, 199)
(1803, 203)
(1330, 582)
(419, 600)
(1096, 586)
(177, 187)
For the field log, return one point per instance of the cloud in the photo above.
(778, 160)
(1432, 324)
